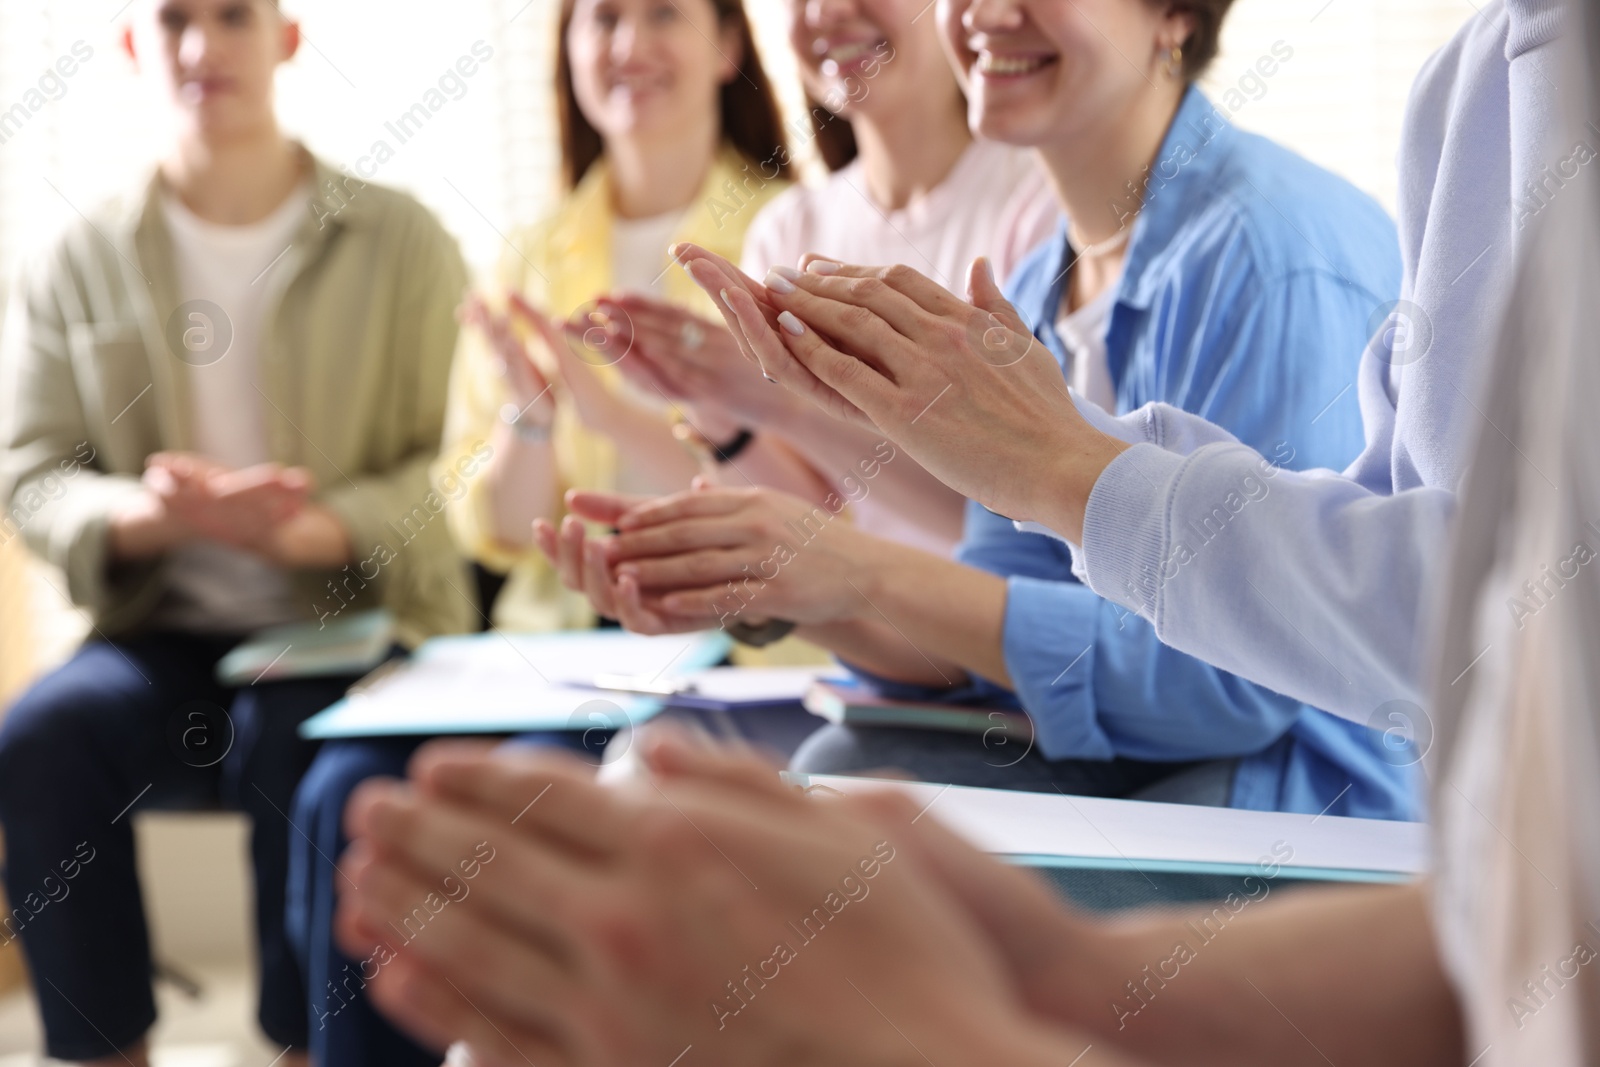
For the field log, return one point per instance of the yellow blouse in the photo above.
(560, 265)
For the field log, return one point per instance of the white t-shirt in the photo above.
(639, 259)
(212, 587)
(639, 263)
(1083, 332)
(995, 202)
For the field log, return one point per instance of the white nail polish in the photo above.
(824, 266)
(781, 279)
(788, 321)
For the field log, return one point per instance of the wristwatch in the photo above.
(525, 428)
(708, 449)
(770, 632)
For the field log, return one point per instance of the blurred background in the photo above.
(485, 162)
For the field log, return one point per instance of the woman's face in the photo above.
(215, 59)
(1038, 71)
(867, 58)
(649, 68)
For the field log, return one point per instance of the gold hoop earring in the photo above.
(1175, 62)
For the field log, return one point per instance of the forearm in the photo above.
(838, 450)
(315, 538)
(646, 445)
(771, 463)
(143, 529)
(1346, 975)
(922, 620)
(522, 484)
(875, 646)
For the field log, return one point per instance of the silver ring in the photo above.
(692, 335)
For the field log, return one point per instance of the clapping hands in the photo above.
(265, 510)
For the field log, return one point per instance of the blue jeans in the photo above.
(345, 1030)
(124, 726)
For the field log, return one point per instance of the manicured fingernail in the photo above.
(782, 279)
(988, 271)
(792, 324)
(824, 266)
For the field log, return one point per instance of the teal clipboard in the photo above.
(498, 683)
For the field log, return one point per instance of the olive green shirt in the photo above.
(354, 366)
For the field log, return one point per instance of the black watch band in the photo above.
(726, 453)
(759, 636)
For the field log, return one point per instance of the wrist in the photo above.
(143, 527)
(1017, 1038)
(1061, 499)
(313, 538)
(525, 425)
(872, 566)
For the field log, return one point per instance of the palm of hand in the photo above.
(736, 935)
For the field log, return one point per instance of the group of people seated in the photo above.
(1037, 400)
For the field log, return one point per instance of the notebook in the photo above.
(351, 645)
(849, 703)
(1052, 830)
(498, 683)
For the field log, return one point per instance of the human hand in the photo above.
(715, 553)
(689, 359)
(527, 385)
(964, 387)
(743, 300)
(581, 563)
(240, 508)
(615, 925)
(1045, 947)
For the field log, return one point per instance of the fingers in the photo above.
(695, 504)
(569, 553)
(1009, 336)
(927, 293)
(859, 328)
(722, 294)
(537, 790)
(791, 372)
(531, 316)
(606, 508)
(644, 616)
(549, 542)
(674, 754)
(675, 539)
(707, 604)
(597, 579)
(645, 372)
(859, 385)
(689, 570)
(868, 291)
(437, 1015)
(691, 255)
(528, 883)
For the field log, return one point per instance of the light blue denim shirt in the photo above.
(1250, 280)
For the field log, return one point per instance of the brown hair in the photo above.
(1202, 45)
(749, 107)
(835, 137)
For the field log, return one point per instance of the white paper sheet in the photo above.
(1134, 833)
(504, 683)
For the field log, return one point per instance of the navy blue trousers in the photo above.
(125, 726)
(345, 1030)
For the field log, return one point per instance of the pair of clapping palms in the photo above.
(962, 386)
